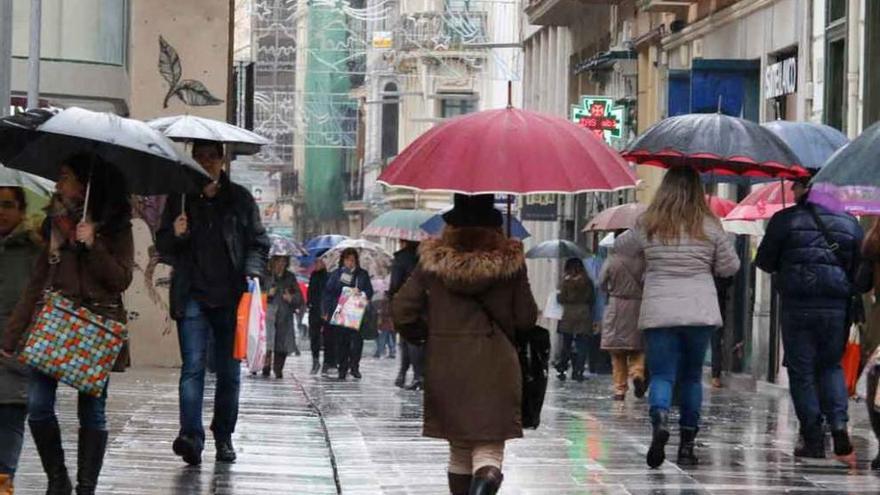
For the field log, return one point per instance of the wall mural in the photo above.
(189, 91)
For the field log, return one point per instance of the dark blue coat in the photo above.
(808, 274)
(360, 279)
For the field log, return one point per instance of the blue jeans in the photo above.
(12, 417)
(581, 344)
(386, 340)
(41, 404)
(193, 332)
(814, 342)
(676, 354)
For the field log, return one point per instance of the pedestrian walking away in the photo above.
(387, 338)
(684, 248)
(814, 254)
(20, 244)
(88, 259)
(317, 325)
(621, 278)
(285, 301)
(349, 342)
(468, 298)
(412, 354)
(576, 295)
(214, 241)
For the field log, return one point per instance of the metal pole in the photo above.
(33, 95)
(5, 56)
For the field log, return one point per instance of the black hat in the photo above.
(474, 211)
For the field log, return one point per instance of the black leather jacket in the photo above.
(246, 241)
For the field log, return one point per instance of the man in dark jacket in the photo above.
(317, 283)
(813, 254)
(405, 262)
(214, 241)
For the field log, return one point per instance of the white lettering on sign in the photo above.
(780, 78)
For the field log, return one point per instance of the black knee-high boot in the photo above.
(92, 446)
(47, 437)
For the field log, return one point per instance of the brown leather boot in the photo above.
(459, 484)
(487, 480)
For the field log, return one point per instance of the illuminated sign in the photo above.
(599, 115)
(383, 40)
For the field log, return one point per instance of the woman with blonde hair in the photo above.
(684, 248)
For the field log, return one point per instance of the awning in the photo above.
(604, 60)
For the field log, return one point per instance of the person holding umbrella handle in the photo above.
(215, 241)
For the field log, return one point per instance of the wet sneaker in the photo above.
(188, 448)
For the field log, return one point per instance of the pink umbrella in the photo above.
(617, 217)
(720, 206)
(509, 151)
(762, 203)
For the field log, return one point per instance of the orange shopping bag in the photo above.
(852, 358)
(240, 346)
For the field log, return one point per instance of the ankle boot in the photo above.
(6, 487)
(487, 480)
(842, 444)
(459, 484)
(657, 451)
(91, 448)
(316, 366)
(811, 444)
(686, 446)
(278, 362)
(400, 382)
(47, 438)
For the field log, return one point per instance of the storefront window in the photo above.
(455, 105)
(94, 31)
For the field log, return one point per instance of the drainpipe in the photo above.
(33, 94)
(853, 68)
(5, 55)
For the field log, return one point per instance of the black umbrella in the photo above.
(715, 143)
(813, 143)
(556, 249)
(851, 177)
(38, 140)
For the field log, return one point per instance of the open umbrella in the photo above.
(763, 202)
(189, 127)
(434, 225)
(720, 206)
(556, 249)
(38, 140)
(374, 258)
(508, 151)
(280, 245)
(742, 227)
(851, 178)
(317, 246)
(616, 218)
(37, 190)
(400, 224)
(813, 143)
(715, 143)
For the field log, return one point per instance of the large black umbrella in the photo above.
(813, 143)
(38, 140)
(718, 144)
(851, 177)
(556, 249)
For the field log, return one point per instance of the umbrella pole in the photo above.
(782, 185)
(509, 201)
(88, 191)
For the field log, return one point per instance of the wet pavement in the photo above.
(306, 434)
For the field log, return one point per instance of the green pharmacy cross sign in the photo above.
(599, 115)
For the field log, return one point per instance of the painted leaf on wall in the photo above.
(189, 91)
(195, 94)
(169, 63)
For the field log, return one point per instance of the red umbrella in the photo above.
(762, 203)
(720, 206)
(617, 217)
(509, 151)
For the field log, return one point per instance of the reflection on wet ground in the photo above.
(588, 444)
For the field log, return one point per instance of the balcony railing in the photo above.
(441, 31)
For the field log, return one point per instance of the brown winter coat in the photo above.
(96, 278)
(621, 278)
(473, 389)
(870, 337)
(576, 295)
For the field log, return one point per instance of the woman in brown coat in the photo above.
(89, 261)
(621, 278)
(471, 291)
(576, 295)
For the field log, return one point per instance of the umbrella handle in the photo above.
(88, 192)
(183, 204)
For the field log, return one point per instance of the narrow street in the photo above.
(588, 443)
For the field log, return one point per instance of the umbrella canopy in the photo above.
(715, 143)
(189, 127)
(400, 224)
(316, 246)
(509, 151)
(742, 227)
(616, 218)
(813, 143)
(9, 177)
(851, 178)
(434, 225)
(374, 258)
(38, 140)
(720, 206)
(557, 249)
(284, 246)
(763, 202)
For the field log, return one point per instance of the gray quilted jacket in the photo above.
(679, 285)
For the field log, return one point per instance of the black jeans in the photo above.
(578, 358)
(349, 348)
(329, 333)
(316, 325)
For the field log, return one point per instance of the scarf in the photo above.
(63, 218)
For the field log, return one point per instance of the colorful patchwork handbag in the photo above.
(73, 345)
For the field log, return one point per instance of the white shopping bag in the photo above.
(553, 310)
(256, 351)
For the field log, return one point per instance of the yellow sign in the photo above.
(383, 40)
